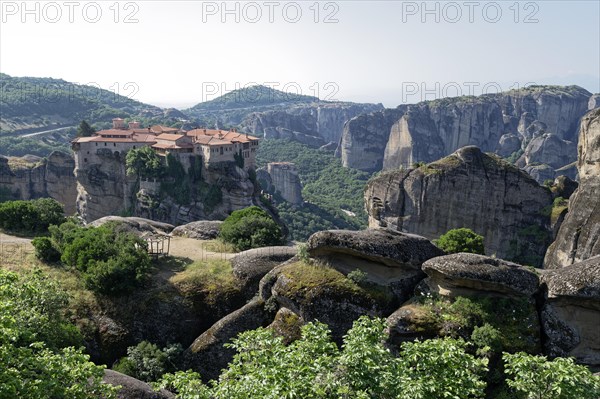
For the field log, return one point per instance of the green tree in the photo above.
(143, 163)
(32, 216)
(85, 130)
(45, 249)
(250, 228)
(461, 240)
(538, 378)
(35, 337)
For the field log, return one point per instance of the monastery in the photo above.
(214, 146)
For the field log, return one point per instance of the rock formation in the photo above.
(476, 277)
(389, 258)
(571, 313)
(33, 177)
(505, 123)
(579, 235)
(466, 189)
(104, 188)
(132, 388)
(314, 124)
(200, 230)
(282, 178)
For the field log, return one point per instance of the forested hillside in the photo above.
(332, 193)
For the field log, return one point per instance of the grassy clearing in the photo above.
(213, 277)
(313, 277)
(218, 246)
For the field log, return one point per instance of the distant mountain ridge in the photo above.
(536, 127)
(30, 104)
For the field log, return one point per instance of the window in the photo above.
(84, 159)
(114, 144)
(88, 152)
(134, 147)
(96, 144)
(105, 144)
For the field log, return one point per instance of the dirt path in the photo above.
(8, 239)
(192, 249)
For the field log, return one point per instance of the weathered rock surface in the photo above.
(105, 189)
(550, 150)
(505, 123)
(388, 257)
(200, 230)
(132, 388)
(287, 325)
(139, 226)
(594, 102)
(571, 313)
(313, 124)
(579, 236)
(464, 273)
(33, 177)
(285, 181)
(364, 139)
(466, 189)
(207, 354)
(472, 276)
(252, 265)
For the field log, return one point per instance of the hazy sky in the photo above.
(177, 53)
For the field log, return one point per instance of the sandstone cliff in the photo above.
(104, 189)
(505, 123)
(314, 124)
(466, 189)
(32, 177)
(579, 236)
(282, 178)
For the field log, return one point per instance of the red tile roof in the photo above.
(169, 137)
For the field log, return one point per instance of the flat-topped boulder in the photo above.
(252, 265)
(451, 274)
(200, 230)
(132, 388)
(571, 313)
(136, 225)
(388, 247)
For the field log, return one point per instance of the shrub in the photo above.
(29, 217)
(111, 261)
(461, 240)
(538, 378)
(357, 276)
(45, 250)
(250, 228)
(147, 362)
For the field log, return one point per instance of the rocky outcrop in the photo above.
(200, 230)
(571, 312)
(313, 124)
(252, 265)
(285, 181)
(466, 189)
(139, 226)
(478, 278)
(466, 274)
(505, 123)
(132, 388)
(388, 257)
(364, 139)
(207, 354)
(105, 189)
(579, 236)
(33, 177)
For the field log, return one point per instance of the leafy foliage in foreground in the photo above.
(314, 367)
(250, 228)
(329, 189)
(147, 362)
(36, 363)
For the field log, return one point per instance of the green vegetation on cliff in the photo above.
(332, 193)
